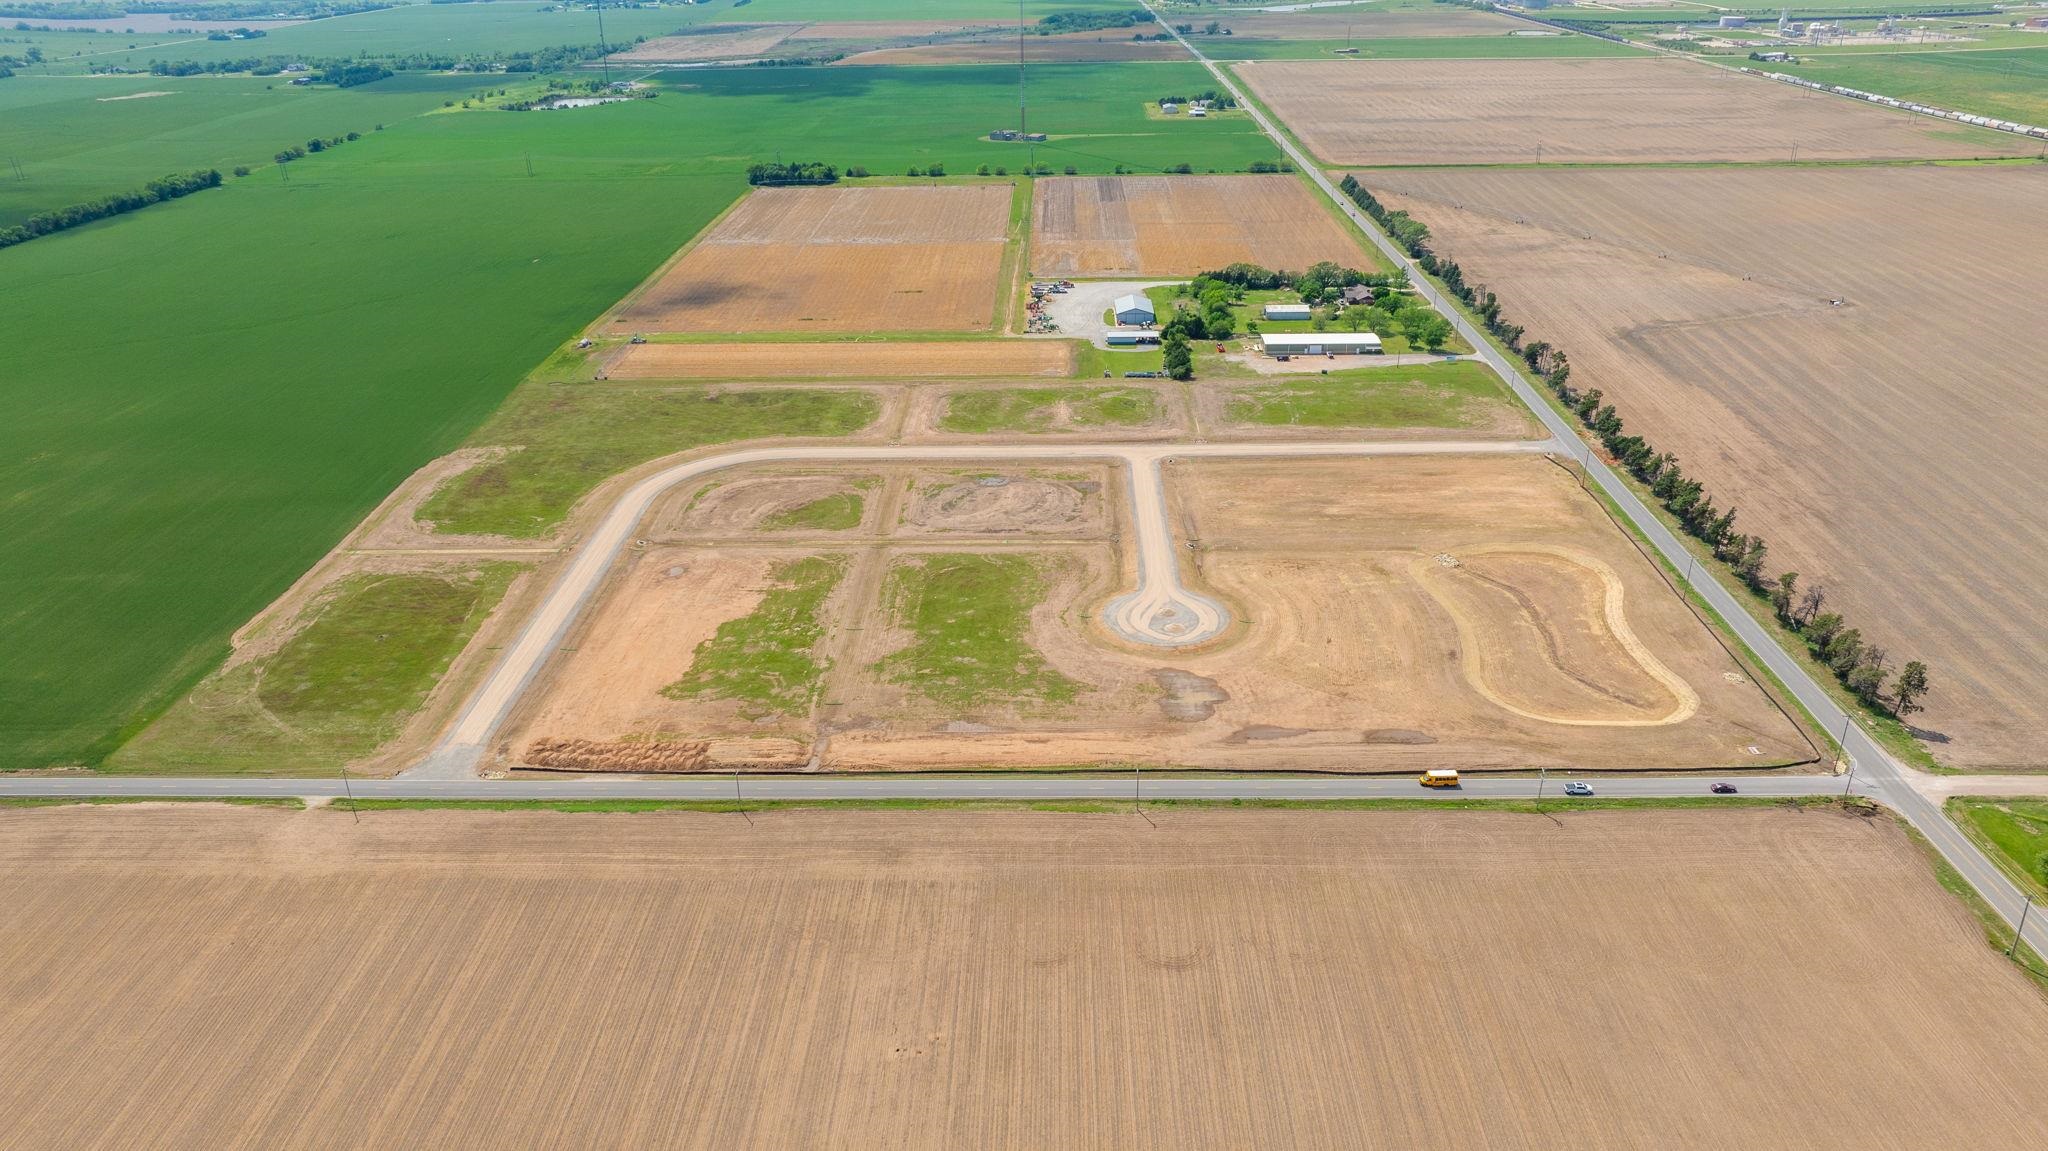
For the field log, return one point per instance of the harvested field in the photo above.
(1604, 980)
(1586, 112)
(1070, 46)
(837, 260)
(889, 29)
(1361, 24)
(1888, 448)
(951, 358)
(1403, 613)
(715, 42)
(1181, 225)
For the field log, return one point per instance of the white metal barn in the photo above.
(1320, 343)
(1134, 310)
(1287, 311)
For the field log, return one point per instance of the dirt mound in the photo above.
(601, 755)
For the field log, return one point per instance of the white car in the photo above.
(1578, 788)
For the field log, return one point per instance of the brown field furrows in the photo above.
(715, 43)
(837, 259)
(1889, 448)
(888, 29)
(1360, 24)
(1182, 225)
(193, 976)
(1480, 613)
(1399, 112)
(1076, 46)
(845, 360)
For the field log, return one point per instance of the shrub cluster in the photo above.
(1086, 21)
(156, 191)
(794, 172)
(1864, 668)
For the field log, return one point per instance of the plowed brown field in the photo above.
(714, 43)
(1587, 112)
(868, 360)
(837, 259)
(1890, 448)
(178, 977)
(1182, 225)
(1076, 46)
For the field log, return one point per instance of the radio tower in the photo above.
(1021, 121)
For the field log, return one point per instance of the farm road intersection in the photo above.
(1881, 777)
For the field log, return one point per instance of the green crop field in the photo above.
(1040, 409)
(969, 614)
(335, 691)
(2011, 84)
(1448, 395)
(75, 139)
(1417, 48)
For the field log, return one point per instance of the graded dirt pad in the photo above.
(1608, 980)
(714, 43)
(1182, 225)
(1069, 46)
(1397, 112)
(1396, 614)
(845, 361)
(837, 259)
(1358, 24)
(1888, 448)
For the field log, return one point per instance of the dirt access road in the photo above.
(1162, 611)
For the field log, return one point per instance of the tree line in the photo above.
(1863, 667)
(794, 172)
(156, 191)
(1085, 21)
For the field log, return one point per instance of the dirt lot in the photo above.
(1182, 225)
(837, 259)
(1586, 111)
(1002, 49)
(187, 976)
(1889, 447)
(845, 361)
(1402, 614)
(714, 43)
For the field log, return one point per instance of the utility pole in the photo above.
(1022, 123)
(2017, 932)
(1137, 782)
(1541, 774)
(604, 49)
(350, 791)
(1849, 781)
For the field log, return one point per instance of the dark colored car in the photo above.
(1723, 789)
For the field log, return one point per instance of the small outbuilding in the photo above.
(1134, 310)
(1320, 343)
(1288, 311)
(1129, 337)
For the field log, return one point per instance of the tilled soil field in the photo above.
(845, 360)
(837, 259)
(1399, 112)
(202, 976)
(1002, 49)
(1110, 226)
(713, 43)
(1889, 446)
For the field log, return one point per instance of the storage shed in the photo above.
(1320, 343)
(1133, 310)
(1287, 311)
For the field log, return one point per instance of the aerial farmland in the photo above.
(912, 573)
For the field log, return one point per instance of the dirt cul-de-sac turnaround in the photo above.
(1162, 611)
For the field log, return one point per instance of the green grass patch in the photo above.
(2009, 84)
(335, 691)
(289, 802)
(2014, 833)
(1091, 362)
(570, 437)
(969, 614)
(1048, 409)
(766, 659)
(1454, 394)
(838, 512)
